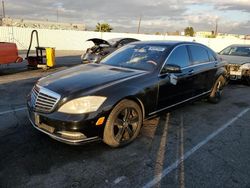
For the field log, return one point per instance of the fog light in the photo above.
(100, 121)
(72, 135)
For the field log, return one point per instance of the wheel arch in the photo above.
(222, 71)
(136, 100)
(139, 102)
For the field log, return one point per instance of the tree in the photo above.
(213, 35)
(103, 27)
(189, 31)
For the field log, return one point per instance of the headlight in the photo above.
(94, 58)
(245, 66)
(90, 57)
(82, 105)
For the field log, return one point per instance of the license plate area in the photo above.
(46, 128)
(41, 125)
(36, 118)
(237, 73)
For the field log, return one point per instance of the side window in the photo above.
(131, 40)
(125, 41)
(179, 57)
(199, 54)
(122, 43)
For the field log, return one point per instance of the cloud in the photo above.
(241, 5)
(157, 15)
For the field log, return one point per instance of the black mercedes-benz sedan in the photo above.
(110, 100)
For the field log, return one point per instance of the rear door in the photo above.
(204, 68)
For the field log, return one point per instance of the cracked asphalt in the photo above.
(29, 158)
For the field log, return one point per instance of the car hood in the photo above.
(85, 78)
(235, 59)
(97, 41)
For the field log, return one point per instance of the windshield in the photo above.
(113, 41)
(236, 51)
(141, 56)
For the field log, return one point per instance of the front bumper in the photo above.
(90, 58)
(73, 131)
(237, 73)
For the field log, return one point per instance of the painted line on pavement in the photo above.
(14, 110)
(173, 166)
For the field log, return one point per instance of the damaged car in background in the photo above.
(102, 48)
(109, 101)
(238, 58)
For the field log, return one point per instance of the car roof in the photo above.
(240, 45)
(119, 39)
(166, 42)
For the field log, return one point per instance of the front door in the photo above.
(172, 93)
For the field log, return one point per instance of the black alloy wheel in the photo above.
(123, 124)
(247, 80)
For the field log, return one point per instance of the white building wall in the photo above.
(75, 40)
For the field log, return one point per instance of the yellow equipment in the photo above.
(50, 57)
(37, 61)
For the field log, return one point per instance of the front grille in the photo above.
(43, 100)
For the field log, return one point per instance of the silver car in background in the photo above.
(238, 58)
(102, 48)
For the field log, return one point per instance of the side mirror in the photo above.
(171, 68)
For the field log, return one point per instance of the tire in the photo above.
(217, 89)
(123, 124)
(247, 80)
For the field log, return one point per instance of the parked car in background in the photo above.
(102, 48)
(110, 100)
(238, 58)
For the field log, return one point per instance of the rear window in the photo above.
(211, 55)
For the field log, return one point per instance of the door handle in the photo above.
(191, 72)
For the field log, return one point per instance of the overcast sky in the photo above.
(123, 15)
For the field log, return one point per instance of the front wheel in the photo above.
(217, 89)
(123, 124)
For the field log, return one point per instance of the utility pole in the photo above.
(3, 9)
(216, 27)
(139, 25)
(57, 14)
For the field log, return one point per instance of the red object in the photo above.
(9, 53)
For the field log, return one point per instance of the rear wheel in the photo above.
(217, 89)
(247, 80)
(123, 124)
